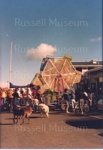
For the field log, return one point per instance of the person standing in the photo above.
(3, 97)
(38, 94)
(16, 97)
(34, 92)
(0, 99)
(66, 99)
(73, 100)
(36, 103)
(10, 99)
(81, 100)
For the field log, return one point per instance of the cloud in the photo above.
(96, 39)
(40, 52)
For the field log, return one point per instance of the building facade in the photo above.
(92, 76)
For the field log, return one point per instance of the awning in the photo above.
(16, 86)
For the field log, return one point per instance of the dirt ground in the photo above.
(59, 131)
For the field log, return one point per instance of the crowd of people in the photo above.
(21, 96)
(80, 98)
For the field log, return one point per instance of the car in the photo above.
(100, 104)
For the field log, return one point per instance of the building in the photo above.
(87, 65)
(92, 75)
(95, 79)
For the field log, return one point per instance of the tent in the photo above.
(17, 86)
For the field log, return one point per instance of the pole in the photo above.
(10, 62)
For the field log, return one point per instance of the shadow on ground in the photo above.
(8, 124)
(101, 134)
(89, 124)
(31, 117)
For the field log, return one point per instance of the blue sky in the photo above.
(47, 27)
